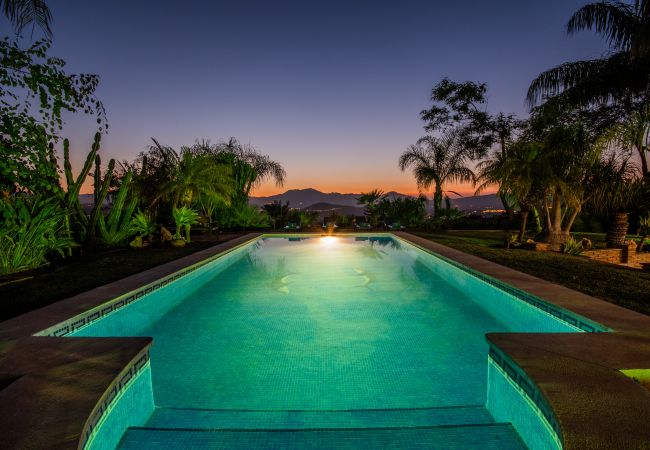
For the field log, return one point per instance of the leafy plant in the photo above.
(116, 228)
(32, 228)
(184, 217)
(35, 91)
(572, 247)
(250, 217)
(143, 225)
(511, 240)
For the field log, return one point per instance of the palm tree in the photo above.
(618, 193)
(437, 161)
(569, 175)
(371, 200)
(519, 174)
(277, 212)
(622, 78)
(24, 12)
(623, 73)
(634, 133)
(190, 175)
(251, 168)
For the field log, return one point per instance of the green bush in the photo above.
(572, 247)
(143, 225)
(184, 217)
(32, 229)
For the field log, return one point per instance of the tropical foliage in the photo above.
(32, 228)
(184, 218)
(437, 161)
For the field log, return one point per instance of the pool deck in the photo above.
(53, 384)
(597, 406)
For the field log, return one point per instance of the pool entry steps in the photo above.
(466, 427)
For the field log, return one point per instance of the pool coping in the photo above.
(561, 390)
(577, 374)
(38, 409)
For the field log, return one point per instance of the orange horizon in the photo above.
(270, 189)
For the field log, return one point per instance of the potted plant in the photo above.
(184, 217)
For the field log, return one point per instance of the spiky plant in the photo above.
(32, 228)
(143, 225)
(184, 217)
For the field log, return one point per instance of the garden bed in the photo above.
(26, 291)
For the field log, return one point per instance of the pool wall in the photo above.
(513, 397)
(182, 278)
(131, 406)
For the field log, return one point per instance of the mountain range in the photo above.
(314, 200)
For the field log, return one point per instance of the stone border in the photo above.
(563, 314)
(121, 382)
(82, 320)
(612, 316)
(576, 378)
(34, 323)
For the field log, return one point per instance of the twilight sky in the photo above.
(331, 89)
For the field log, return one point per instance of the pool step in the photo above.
(376, 418)
(495, 436)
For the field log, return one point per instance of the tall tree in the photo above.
(35, 91)
(437, 161)
(622, 78)
(371, 201)
(520, 175)
(463, 107)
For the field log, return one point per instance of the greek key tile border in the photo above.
(82, 320)
(121, 383)
(521, 379)
(575, 320)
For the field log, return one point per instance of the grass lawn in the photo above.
(620, 285)
(78, 274)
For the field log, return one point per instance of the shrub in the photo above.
(32, 228)
(143, 225)
(572, 247)
(184, 217)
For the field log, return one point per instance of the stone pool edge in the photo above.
(578, 374)
(558, 369)
(38, 408)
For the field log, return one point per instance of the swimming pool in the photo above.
(354, 339)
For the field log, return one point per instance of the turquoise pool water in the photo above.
(317, 334)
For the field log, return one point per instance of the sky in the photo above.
(330, 89)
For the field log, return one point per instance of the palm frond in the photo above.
(21, 13)
(615, 21)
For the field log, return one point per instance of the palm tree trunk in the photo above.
(506, 206)
(644, 161)
(437, 200)
(524, 222)
(617, 230)
(537, 220)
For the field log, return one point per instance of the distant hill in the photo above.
(477, 203)
(328, 208)
(313, 199)
(301, 198)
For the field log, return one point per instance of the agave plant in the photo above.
(143, 225)
(572, 246)
(32, 228)
(184, 217)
